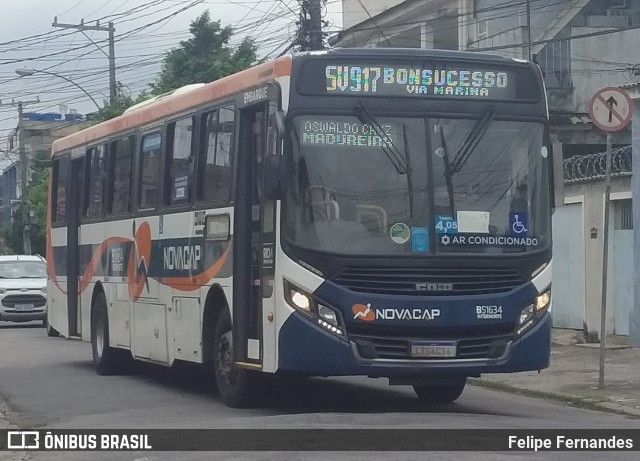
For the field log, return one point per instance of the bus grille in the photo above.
(422, 281)
(473, 342)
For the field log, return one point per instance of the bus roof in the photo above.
(415, 53)
(177, 102)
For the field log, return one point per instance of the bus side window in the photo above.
(149, 167)
(179, 161)
(59, 190)
(121, 164)
(97, 166)
(216, 155)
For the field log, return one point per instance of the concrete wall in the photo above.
(353, 13)
(39, 135)
(593, 64)
(591, 194)
(634, 321)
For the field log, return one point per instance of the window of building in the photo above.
(179, 161)
(217, 139)
(149, 167)
(122, 161)
(97, 168)
(623, 214)
(59, 190)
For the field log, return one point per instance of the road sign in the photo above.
(611, 109)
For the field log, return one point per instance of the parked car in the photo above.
(23, 288)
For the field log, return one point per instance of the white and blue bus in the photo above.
(374, 212)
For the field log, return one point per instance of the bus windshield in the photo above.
(398, 185)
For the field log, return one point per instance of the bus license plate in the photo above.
(431, 349)
(24, 307)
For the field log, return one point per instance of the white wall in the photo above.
(353, 13)
(594, 61)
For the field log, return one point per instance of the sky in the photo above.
(145, 30)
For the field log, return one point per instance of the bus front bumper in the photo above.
(308, 349)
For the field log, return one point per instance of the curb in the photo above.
(585, 403)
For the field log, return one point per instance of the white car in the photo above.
(23, 288)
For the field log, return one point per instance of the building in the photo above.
(634, 318)
(600, 53)
(581, 47)
(39, 130)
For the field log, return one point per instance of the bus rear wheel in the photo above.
(237, 386)
(440, 393)
(107, 360)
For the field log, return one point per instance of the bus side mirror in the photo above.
(275, 173)
(558, 175)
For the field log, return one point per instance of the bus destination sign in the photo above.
(382, 80)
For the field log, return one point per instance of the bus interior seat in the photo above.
(373, 217)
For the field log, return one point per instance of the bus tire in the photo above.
(440, 393)
(237, 386)
(106, 359)
(51, 332)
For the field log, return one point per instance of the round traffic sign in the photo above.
(611, 109)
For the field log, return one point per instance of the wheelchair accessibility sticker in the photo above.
(518, 223)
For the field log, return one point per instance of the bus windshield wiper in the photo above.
(473, 139)
(402, 163)
(464, 152)
(388, 146)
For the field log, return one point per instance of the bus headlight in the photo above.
(534, 311)
(304, 302)
(542, 301)
(298, 298)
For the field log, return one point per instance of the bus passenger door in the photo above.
(248, 237)
(74, 195)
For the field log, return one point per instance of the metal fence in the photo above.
(593, 167)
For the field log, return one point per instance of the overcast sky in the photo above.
(145, 29)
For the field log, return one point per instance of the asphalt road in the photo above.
(50, 383)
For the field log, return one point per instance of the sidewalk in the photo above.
(4, 416)
(573, 375)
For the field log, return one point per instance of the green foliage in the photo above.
(122, 103)
(205, 57)
(37, 191)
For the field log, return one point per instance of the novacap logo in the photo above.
(362, 312)
(366, 313)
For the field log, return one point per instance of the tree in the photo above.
(205, 57)
(121, 103)
(37, 191)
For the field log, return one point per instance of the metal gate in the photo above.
(568, 267)
(620, 280)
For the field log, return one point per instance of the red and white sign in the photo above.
(611, 109)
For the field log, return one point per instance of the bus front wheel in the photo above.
(107, 360)
(237, 386)
(51, 332)
(440, 393)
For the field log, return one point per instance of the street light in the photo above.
(27, 72)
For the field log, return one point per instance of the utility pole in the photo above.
(24, 175)
(112, 53)
(310, 36)
(24, 166)
(529, 27)
(315, 25)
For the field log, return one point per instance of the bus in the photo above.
(374, 212)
